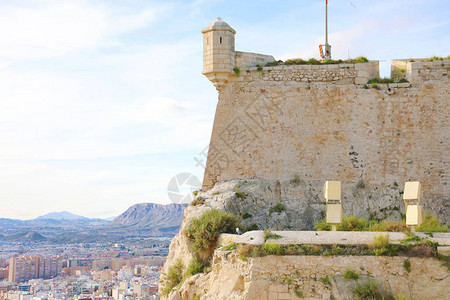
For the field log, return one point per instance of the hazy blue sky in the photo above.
(102, 102)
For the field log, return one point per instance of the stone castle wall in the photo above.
(315, 122)
(285, 277)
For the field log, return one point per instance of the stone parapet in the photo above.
(346, 73)
(249, 59)
(419, 70)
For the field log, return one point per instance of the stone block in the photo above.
(363, 67)
(284, 296)
(416, 65)
(444, 250)
(363, 74)
(361, 80)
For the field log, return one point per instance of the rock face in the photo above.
(253, 201)
(151, 215)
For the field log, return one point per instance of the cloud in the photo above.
(55, 28)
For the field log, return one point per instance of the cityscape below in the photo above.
(53, 257)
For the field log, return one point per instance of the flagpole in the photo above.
(327, 46)
(326, 24)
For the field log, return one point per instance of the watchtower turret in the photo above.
(218, 52)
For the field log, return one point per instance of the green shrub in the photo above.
(322, 225)
(445, 259)
(246, 215)
(174, 277)
(313, 61)
(296, 61)
(274, 63)
(431, 224)
(360, 184)
(259, 67)
(239, 194)
(298, 293)
(237, 71)
(380, 80)
(268, 234)
(352, 223)
(433, 58)
(279, 207)
(198, 201)
(381, 243)
(350, 274)
(229, 247)
(272, 249)
(367, 290)
(388, 225)
(403, 80)
(326, 280)
(296, 179)
(195, 193)
(204, 231)
(360, 59)
(407, 265)
(195, 266)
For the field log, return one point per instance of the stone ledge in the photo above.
(326, 237)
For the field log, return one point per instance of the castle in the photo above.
(280, 131)
(324, 122)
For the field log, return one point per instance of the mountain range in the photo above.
(151, 216)
(62, 215)
(140, 220)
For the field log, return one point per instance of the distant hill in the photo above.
(62, 215)
(30, 236)
(152, 216)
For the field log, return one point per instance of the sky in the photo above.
(102, 103)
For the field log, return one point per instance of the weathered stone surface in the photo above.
(279, 277)
(318, 131)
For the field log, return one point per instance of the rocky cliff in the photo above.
(294, 205)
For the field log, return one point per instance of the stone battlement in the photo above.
(419, 70)
(354, 73)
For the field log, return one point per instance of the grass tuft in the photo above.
(239, 194)
(279, 207)
(204, 231)
(198, 201)
(407, 265)
(174, 277)
(367, 290)
(195, 266)
(268, 234)
(350, 274)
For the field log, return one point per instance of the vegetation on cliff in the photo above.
(352, 223)
(412, 246)
(313, 61)
(204, 231)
